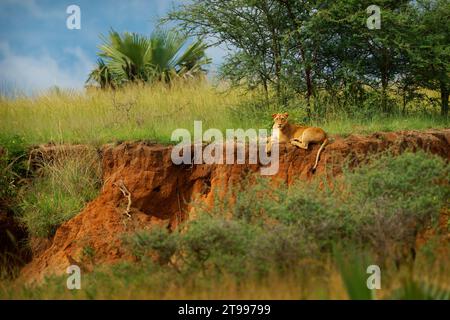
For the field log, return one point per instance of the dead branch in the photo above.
(126, 194)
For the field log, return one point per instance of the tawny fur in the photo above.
(299, 136)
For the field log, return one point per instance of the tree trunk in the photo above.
(266, 90)
(444, 99)
(309, 90)
(384, 85)
(308, 70)
(404, 102)
(276, 51)
(384, 71)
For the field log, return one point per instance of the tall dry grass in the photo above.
(152, 112)
(64, 182)
(96, 116)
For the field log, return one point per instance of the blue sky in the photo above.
(37, 51)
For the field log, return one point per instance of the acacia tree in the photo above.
(430, 52)
(302, 51)
(299, 46)
(265, 37)
(349, 52)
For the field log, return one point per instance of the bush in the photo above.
(278, 248)
(392, 199)
(157, 241)
(217, 243)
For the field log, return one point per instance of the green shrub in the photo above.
(157, 241)
(278, 248)
(382, 204)
(217, 243)
(391, 199)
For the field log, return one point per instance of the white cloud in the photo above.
(35, 9)
(36, 73)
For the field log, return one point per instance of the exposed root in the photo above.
(127, 195)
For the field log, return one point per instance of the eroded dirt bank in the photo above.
(160, 191)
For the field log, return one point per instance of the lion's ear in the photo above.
(274, 115)
(286, 114)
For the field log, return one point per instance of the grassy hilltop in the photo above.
(152, 112)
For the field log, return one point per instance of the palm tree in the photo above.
(101, 75)
(135, 58)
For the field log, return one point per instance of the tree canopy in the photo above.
(299, 47)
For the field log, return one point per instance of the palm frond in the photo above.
(130, 57)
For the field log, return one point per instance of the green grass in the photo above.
(61, 189)
(152, 112)
(349, 126)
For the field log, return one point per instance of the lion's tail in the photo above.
(324, 143)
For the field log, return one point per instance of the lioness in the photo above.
(300, 136)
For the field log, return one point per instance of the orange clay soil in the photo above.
(161, 191)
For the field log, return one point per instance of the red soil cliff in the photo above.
(160, 191)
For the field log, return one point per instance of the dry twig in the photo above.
(127, 195)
